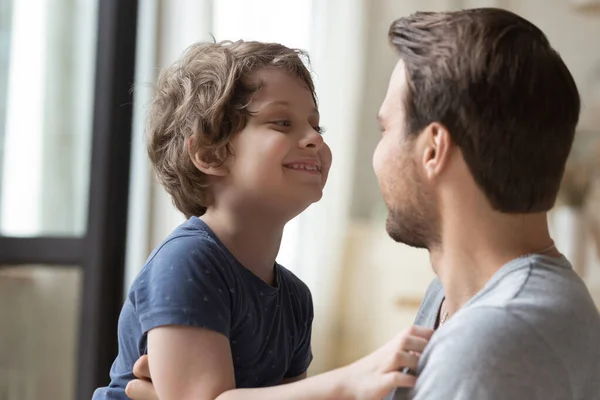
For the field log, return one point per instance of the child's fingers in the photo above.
(414, 343)
(398, 379)
(141, 368)
(421, 331)
(402, 359)
(140, 390)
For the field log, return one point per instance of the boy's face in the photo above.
(280, 159)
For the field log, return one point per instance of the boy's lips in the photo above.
(309, 166)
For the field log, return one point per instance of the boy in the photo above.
(234, 137)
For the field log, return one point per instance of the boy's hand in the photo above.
(376, 375)
(141, 388)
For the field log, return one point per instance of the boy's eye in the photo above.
(321, 130)
(284, 123)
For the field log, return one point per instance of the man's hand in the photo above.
(376, 375)
(141, 388)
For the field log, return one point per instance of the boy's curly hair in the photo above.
(205, 95)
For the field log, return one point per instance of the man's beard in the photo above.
(417, 223)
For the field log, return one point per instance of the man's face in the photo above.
(413, 217)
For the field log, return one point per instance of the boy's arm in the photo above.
(294, 379)
(189, 363)
(143, 389)
(194, 364)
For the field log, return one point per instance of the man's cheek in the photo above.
(381, 161)
(377, 159)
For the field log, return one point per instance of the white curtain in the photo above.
(337, 49)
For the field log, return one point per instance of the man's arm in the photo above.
(489, 353)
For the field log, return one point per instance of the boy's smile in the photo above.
(308, 170)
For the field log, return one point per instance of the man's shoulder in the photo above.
(510, 327)
(530, 333)
(542, 291)
(492, 340)
(484, 350)
(485, 328)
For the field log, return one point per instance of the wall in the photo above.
(574, 35)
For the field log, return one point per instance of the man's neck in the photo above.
(253, 239)
(475, 248)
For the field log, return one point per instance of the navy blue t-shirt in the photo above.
(192, 279)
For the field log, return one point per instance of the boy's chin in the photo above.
(302, 204)
(315, 196)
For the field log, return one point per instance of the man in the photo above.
(477, 124)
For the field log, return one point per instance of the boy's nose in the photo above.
(312, 140)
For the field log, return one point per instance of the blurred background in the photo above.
(80, 209)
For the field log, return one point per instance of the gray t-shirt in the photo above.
(533, 332)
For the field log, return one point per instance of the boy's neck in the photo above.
(252, 238)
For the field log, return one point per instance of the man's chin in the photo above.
(404, 235)
(407, 241)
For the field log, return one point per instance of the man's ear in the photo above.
(210, 162)
(437, 149)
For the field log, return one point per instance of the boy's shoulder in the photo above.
(189, 252)
(294, 284)
(190, 240)
(187, 281)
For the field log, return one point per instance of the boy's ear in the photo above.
(207, 161)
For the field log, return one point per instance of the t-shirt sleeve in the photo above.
(303, 355)
(489, 353)
(184, 283)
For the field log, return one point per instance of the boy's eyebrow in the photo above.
(278, 103)
(286, 104)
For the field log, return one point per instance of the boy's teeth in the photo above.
(303, 166)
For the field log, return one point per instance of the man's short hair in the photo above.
(505, 95)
